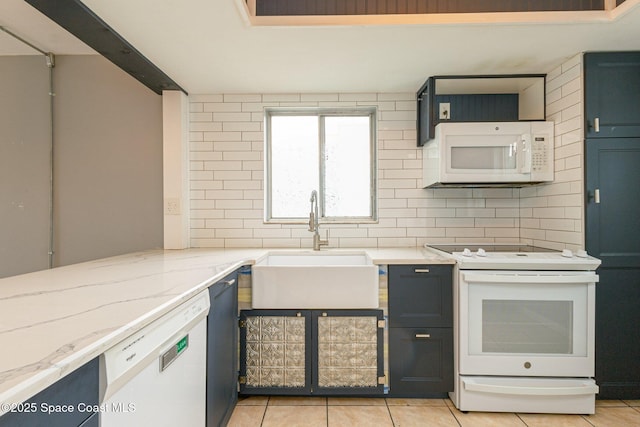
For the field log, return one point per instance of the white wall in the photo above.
(553, 215)
(226, 180)
(108, 161)
(25, 137)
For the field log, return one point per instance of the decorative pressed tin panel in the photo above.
(347, 351)
(275, 351)
(305, 352)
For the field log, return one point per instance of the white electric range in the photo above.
(524, 327)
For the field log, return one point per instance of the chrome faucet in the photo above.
(314, 225)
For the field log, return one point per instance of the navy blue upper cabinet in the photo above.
(612, 94)
(493, 98)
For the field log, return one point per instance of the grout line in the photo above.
(264, 414)
(386, 402)
(453, 415)
(327, 410)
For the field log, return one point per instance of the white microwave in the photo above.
(488, 154)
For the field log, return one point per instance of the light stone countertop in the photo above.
(54, 321)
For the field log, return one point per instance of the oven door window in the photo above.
(527, 326)
(527, 319)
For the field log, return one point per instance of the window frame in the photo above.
(321, 113)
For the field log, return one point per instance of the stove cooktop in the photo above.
(515, 257)
(509, 248)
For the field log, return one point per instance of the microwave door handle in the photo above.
(525, 152)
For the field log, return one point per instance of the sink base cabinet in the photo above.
(311, 352)
(420, 330)
(222, 345)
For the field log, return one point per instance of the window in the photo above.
(330, 151)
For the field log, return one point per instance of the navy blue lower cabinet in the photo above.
(222, 354)
(420, 330)
(420, 362)
(66, 403)
(312, 352)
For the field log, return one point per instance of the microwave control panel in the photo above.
(540, 155)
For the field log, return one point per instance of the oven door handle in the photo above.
(531, 390)
(528, 278)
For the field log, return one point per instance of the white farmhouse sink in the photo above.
(314, 280)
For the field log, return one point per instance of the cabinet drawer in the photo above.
(420, 361)
(420, 296)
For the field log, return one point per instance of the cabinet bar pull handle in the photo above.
(421, 270)
(423, 335)
(596, 195)
(596, 124)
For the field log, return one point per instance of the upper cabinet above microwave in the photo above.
(494, 98)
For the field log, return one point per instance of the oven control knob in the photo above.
(527, 365)
(582, 253)
(567, 253)
(482, 252)
(466, 252)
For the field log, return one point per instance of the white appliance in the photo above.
(157, 376)
(524, 330)
(489, 153)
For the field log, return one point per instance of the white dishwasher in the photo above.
(157, 376)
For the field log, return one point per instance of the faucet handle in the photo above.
(311, 222)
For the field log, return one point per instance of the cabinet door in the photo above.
(613, 235)
(275, 354)
(420, 296)
(348, 352)
(612, 91)
(80, 386)
(420, 361)
(222, 356)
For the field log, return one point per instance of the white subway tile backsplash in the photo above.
(219, 107)
(285, 97)
(455, 222)
(222, 136)
(205, 127)
(200, 117)
(392, 242)
(227, 188)
(241, 126)
(475, 213)
(507, 213)
(222, 165)
(200, 98)
(468, 233)
(465, 203)
(396, 97)
(510, 232)
(357, 97)
(397, 115)
(406, 106)
(307, 97)
(231, 117)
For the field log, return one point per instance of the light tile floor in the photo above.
(261, 411)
